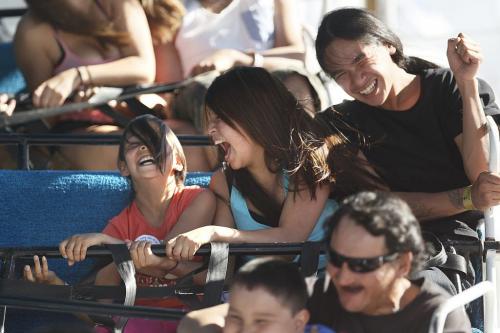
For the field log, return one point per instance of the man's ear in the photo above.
(405, 260)
(122, 167)
(300, 320)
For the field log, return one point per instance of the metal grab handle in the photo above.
(494, 166)
(439, 317)
(491, 219)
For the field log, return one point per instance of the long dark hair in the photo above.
(350, 173)
(270, 115)
(360, 25)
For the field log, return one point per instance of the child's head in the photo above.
(267, 295)
(151, 133)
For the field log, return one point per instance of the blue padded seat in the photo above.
(11, 78)
(41, 208)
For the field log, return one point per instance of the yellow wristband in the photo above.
(467, 198)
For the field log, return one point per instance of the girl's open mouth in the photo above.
(146, 160)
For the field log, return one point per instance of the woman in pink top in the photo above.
(67, 47)
(64, 45)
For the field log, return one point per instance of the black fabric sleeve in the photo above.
(451, 103)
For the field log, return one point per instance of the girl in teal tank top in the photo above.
(245, 220)
(276, 184)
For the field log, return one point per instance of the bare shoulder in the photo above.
(205, 199)
(30, 26)
(33, 35)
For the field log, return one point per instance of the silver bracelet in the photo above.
(258, 60)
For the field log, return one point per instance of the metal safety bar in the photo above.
(92, 308)
(101, 251)
(24, 141)
(12, 12)
(8, 299)
(9, 255)
(438, 319)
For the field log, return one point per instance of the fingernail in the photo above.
(26, 268)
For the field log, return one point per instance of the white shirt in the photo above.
(243, 25)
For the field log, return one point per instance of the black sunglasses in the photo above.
(360, 265)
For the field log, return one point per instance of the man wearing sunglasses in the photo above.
(374, 243)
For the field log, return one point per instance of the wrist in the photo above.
(102, 239)
(224, 234)
(57, 281)
(169, 273)
(244, 59)
(254, 59)
(467, 198)
(467, 86)
(219, 234)
(174, 266)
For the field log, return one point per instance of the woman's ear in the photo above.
(122, 167)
